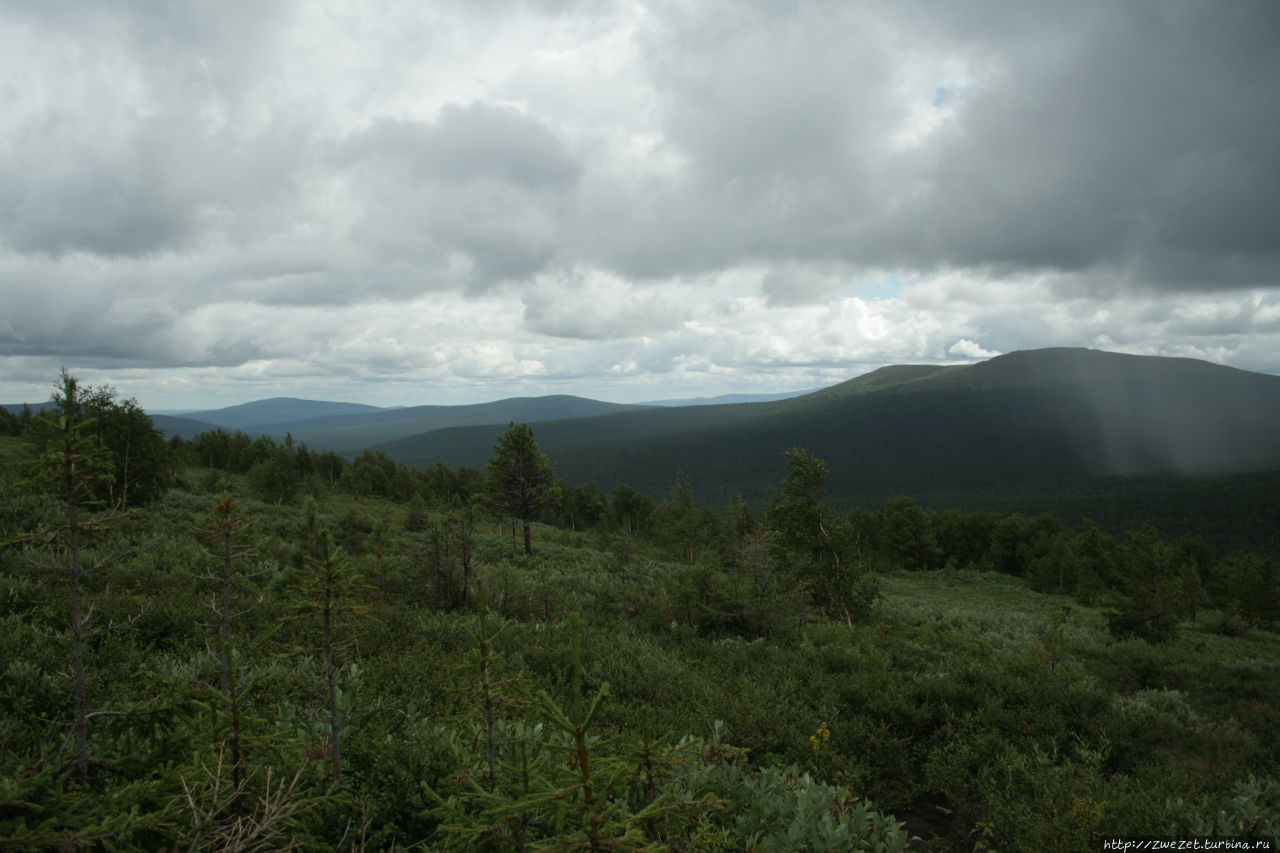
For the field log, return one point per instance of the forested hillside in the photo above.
(348, 428)
(1119, 439)
(1032, 417)
(240, 643)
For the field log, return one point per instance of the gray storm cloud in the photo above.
(1107, 173)
(1132, 137)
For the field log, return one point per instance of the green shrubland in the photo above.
(368, 659)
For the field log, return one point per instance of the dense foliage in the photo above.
(297, 650)
(520, 475)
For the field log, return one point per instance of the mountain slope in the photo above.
(728, 398)
(350, 427)
(261, 413)
(16, 408)
(1021, 420)
(172, 425)
(356, 431)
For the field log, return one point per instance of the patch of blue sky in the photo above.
(950, 97)
(884, 287)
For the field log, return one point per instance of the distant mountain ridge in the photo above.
(16, 408)
(1025, 418)
(723, 399)
(351, 427)
(261, 413)
(351, 433)
(184, 427)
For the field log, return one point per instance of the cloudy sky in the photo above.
(205, 203)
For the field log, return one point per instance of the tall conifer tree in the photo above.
(71, 465)
(520, 477)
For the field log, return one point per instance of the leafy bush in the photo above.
(1252, 809)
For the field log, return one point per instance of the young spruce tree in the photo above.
(821, 549)
(225, 528)
(71, 467)
(327, 587)
(520, 477)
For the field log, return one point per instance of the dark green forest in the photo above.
(230, 642)
(1120, 440)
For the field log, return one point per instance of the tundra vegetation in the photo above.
(245, 644)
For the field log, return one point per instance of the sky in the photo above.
(401, 203)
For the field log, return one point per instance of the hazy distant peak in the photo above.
(893, 375)
(725, 399)
(275, 410)
(1087, 366)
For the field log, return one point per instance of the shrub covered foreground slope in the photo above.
(714, 705)
(375, 658)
